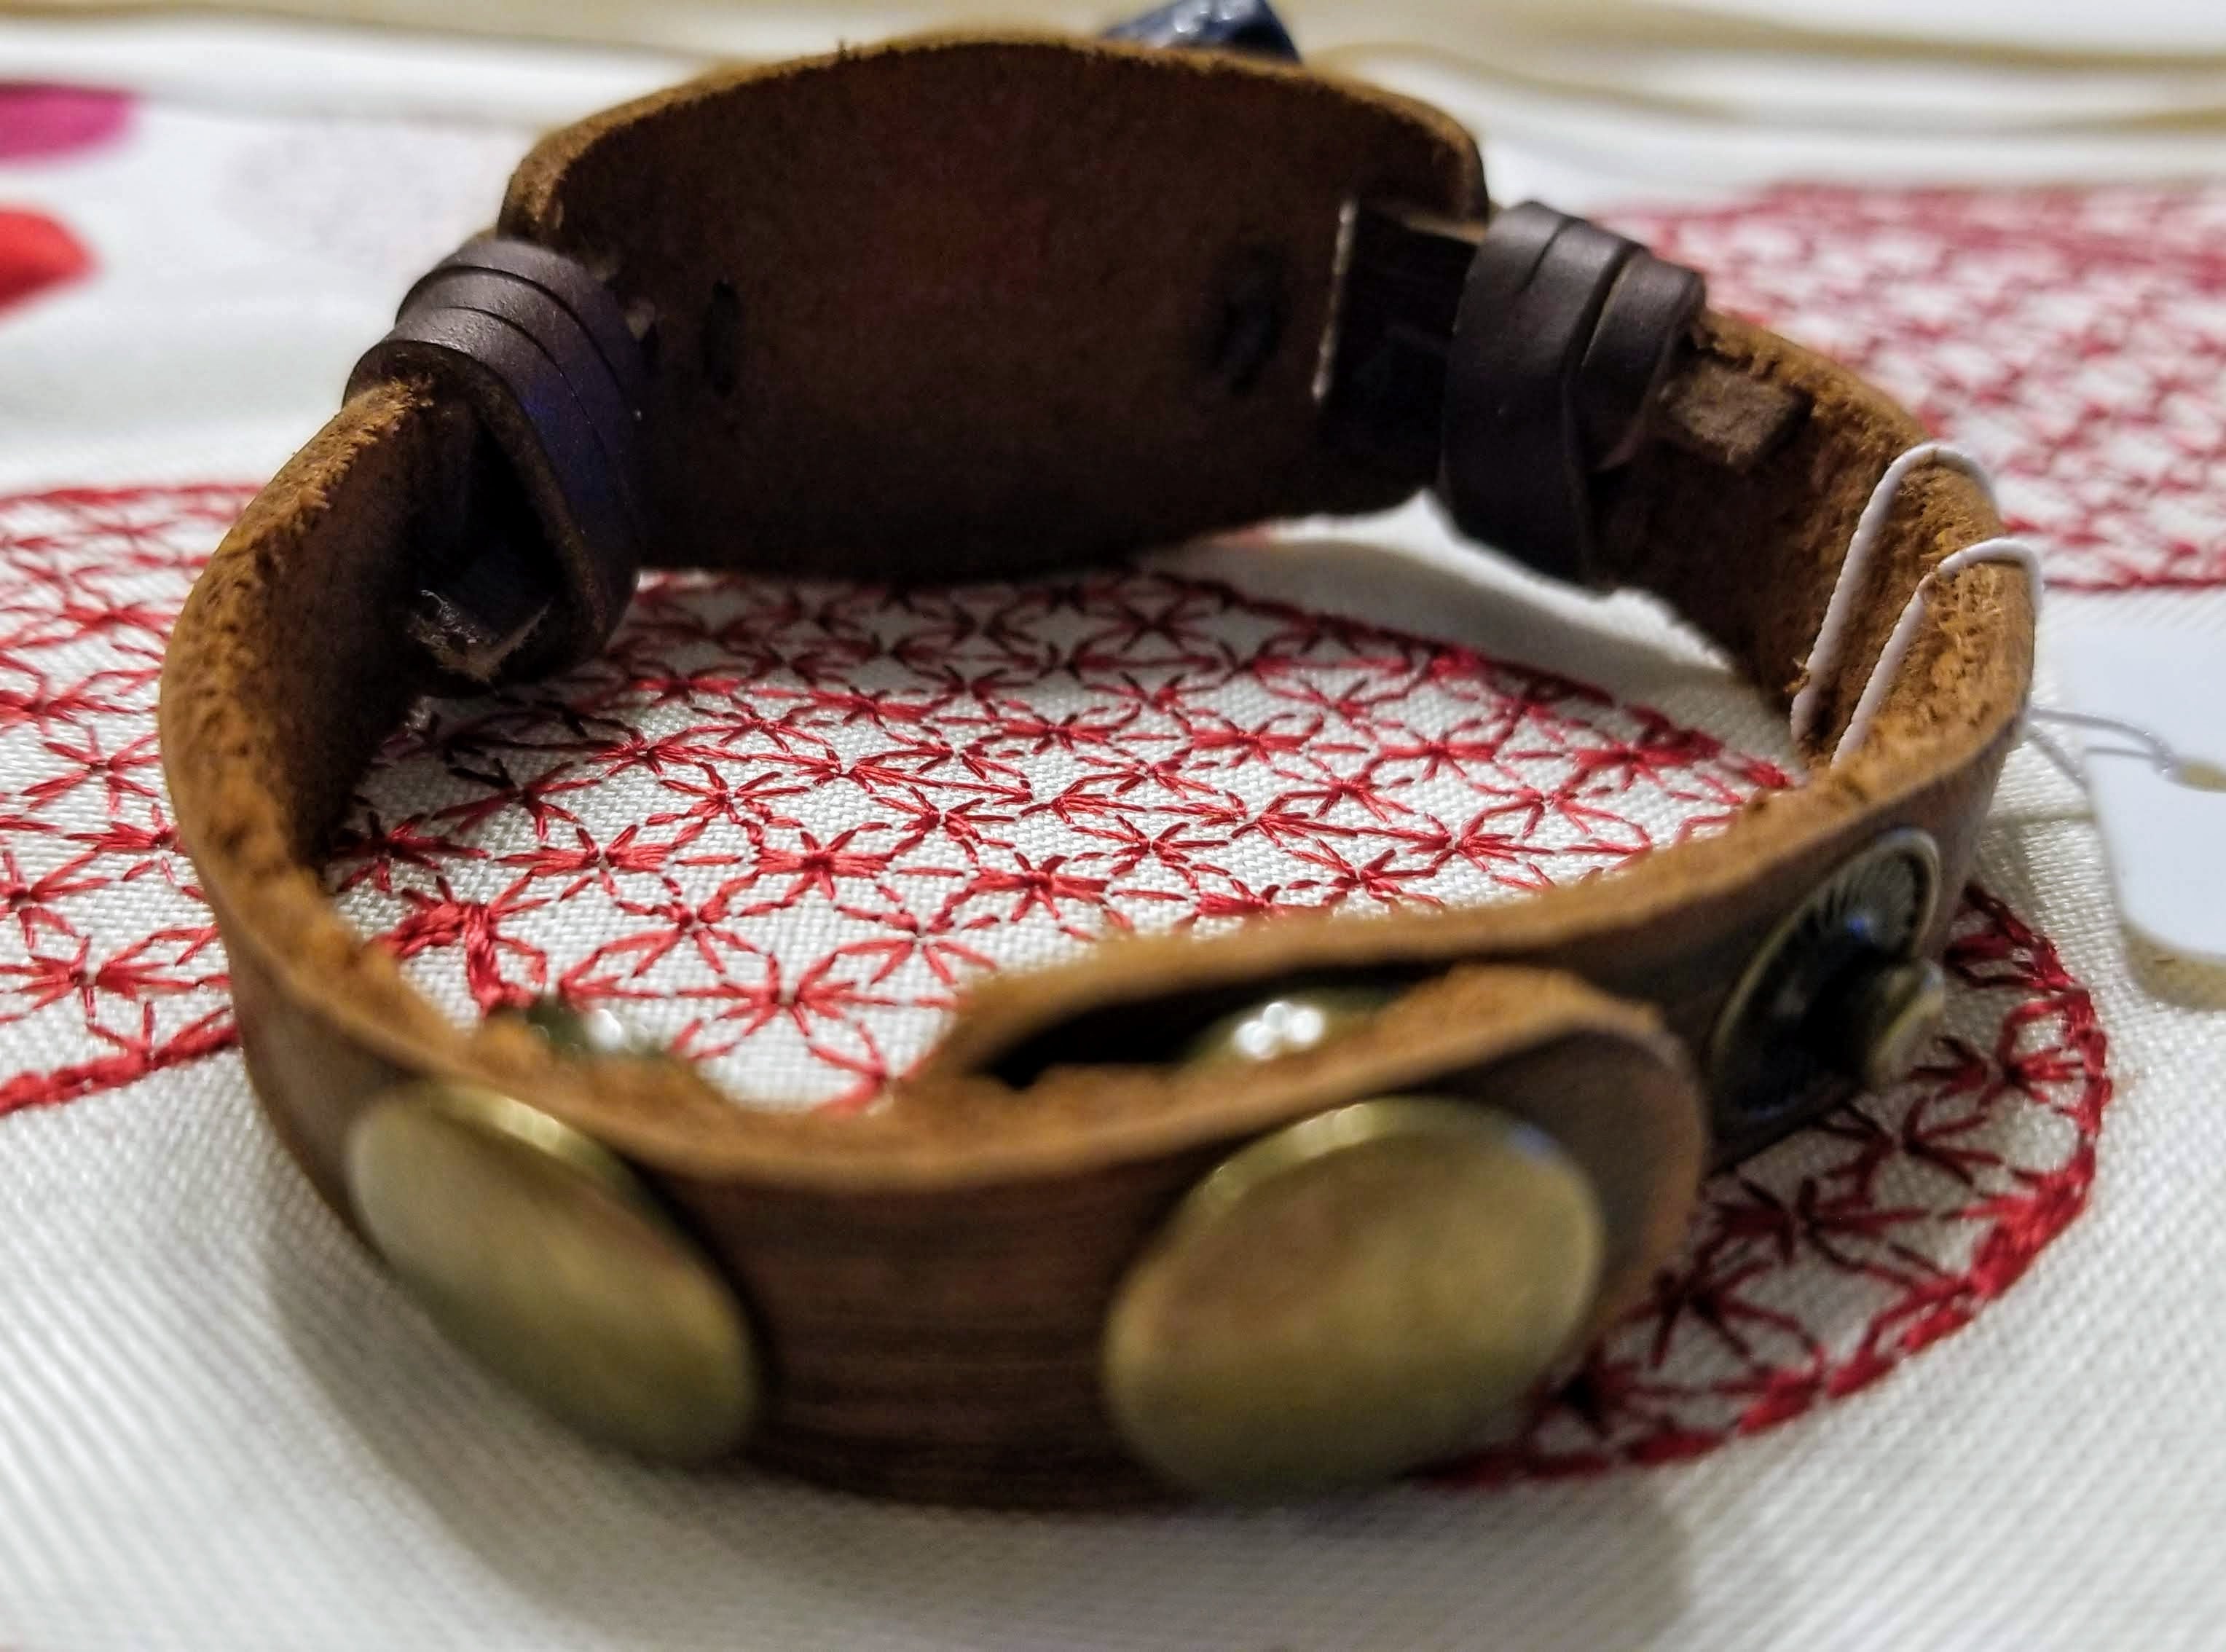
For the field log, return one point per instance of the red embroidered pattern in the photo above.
(785, 824)
(2073, 338)
(109, 964)
(1815, 1268)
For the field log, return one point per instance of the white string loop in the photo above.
(1912, 615)
(1833, 636)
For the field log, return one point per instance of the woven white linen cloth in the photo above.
(1945, 1373)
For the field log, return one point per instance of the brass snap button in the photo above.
(1837, 986)
(1352, 1296)
(541, 1255)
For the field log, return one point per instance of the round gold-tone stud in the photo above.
(1884, 1021)
(1354, 1295)
(1285, 1026)
(1830, 989)
(540, 1253)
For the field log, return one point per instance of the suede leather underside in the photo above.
(959, 308)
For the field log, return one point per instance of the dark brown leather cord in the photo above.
(1565, 333)
(569, 282)
(538, 562)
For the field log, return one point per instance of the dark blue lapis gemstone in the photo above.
(1212, 25)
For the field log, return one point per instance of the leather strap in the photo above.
(898, 343)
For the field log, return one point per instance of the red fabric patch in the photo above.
(45, 122)
(36, 253)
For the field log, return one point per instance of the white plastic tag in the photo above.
(2164, 834)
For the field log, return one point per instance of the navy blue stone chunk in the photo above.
(1212, 25)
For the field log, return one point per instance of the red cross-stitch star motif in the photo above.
(2074, 338)
(790, 871)
(109, 964)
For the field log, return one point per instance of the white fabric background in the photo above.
(220, 1427)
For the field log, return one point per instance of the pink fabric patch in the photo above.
(36, 253)
(40, 122)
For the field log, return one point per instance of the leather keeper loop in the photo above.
(569, 283)
(539, 350)
(1564, 335)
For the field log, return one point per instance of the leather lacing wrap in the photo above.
(531, 570)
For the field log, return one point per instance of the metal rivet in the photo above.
(1881, 1023)
(1811, 998)
(1286, 1026)
(1354, 1295)
(581, 1034)
(540, 1253)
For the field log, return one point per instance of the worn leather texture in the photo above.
(895, 343)
(877, 329)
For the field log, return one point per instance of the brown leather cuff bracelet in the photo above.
(1298, 1205)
